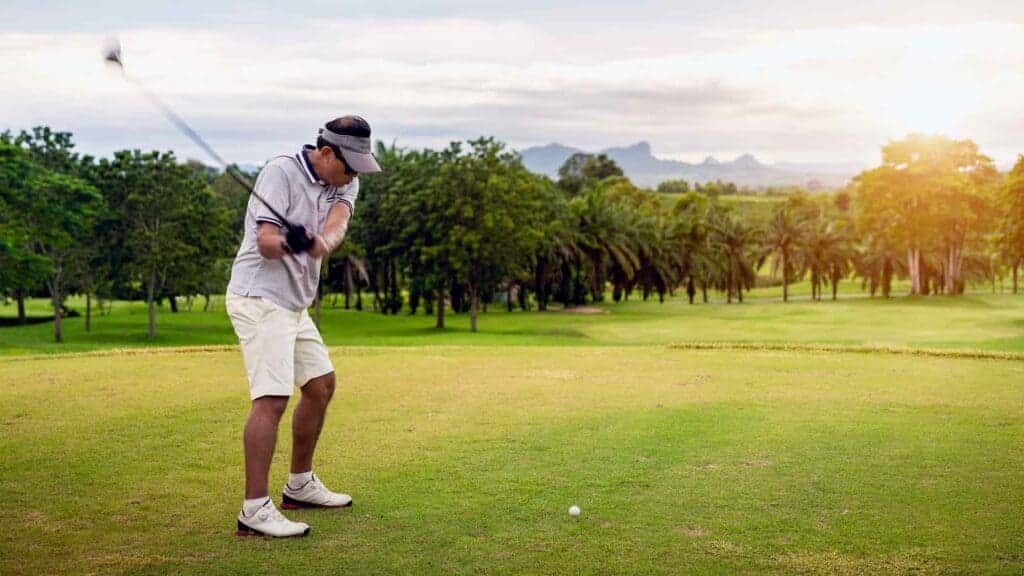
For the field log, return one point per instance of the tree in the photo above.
(211, 229)
(645, 232)
(486, 230)
(152, 198)
(401, 216)
(604, 236)
(931, 194)
(390, 217)
(717, 188)
(21, 271)
(582, 170)
(53, 214)
(346, 268)
(736, 244)
(690, 241)
(1011, 224)
(826, 255)
(51, 150)
(673, 187)
(878, 262)
(783, 240)
(556, 246)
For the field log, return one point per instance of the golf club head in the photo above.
(112, 53)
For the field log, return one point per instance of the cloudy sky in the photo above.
(802, 81)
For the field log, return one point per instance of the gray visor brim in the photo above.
(362, 163)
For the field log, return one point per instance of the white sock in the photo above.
(251, 505)
(299, 480)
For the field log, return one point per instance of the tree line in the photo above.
(467, 227)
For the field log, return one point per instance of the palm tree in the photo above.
(878, 262)
(689, 241)
(604, 235)
(736, 243)
(658, 262)
(839, 257)
(783, 239)
(814, 253)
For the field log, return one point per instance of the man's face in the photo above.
(332, 168)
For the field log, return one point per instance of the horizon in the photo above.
(821, 84)
(695, 158)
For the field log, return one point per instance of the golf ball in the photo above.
(574, 511)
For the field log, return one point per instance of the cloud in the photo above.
(814, 94)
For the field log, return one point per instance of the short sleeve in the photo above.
(347, 194)
(272, 186)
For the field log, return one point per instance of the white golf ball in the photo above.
(574, 511)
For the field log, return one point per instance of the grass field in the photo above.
(979, 321)
(774, 452)
(464, 460)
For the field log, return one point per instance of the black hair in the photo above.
(350, 126)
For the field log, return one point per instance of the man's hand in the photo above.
(319, 247)
(299, 239)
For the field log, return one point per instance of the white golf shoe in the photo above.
(313, 494)
(267, 521)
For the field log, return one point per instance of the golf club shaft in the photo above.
(183, 126)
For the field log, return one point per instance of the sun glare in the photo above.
(929, 106)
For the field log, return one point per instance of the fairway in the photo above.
(975, 322)
(465, 460)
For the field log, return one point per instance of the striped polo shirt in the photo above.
(291, 185)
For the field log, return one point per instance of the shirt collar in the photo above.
(303, 157)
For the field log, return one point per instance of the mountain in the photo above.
(645, 169)
(547, 159)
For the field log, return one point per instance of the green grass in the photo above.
(464, 460)
(978, 321)
(789, 449)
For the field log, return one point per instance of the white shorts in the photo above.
(282, 348)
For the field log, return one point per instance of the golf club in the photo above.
(296, 237)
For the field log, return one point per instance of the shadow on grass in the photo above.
(13, 322)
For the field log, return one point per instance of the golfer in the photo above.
(271, 287)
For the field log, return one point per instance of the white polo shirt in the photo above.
(292, 187)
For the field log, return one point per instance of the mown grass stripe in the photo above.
(967, 353)
(852, 349)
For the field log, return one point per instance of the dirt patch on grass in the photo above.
(692, 531)
(909, 562)
(551, 374)
(38, 520)
(696, 380)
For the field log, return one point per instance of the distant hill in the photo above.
(645, 169)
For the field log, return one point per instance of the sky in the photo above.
(796, 81)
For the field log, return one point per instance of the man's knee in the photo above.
(272, 407)
(320, 388)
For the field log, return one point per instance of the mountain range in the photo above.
(645, 169)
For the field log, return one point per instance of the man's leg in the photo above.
(259, 439)
(259, 516)
(315, 374)
(267, 335)
(308, 420)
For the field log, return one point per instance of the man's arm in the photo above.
(270, 241)
(334, 230)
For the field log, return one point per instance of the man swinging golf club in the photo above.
(273, 281)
